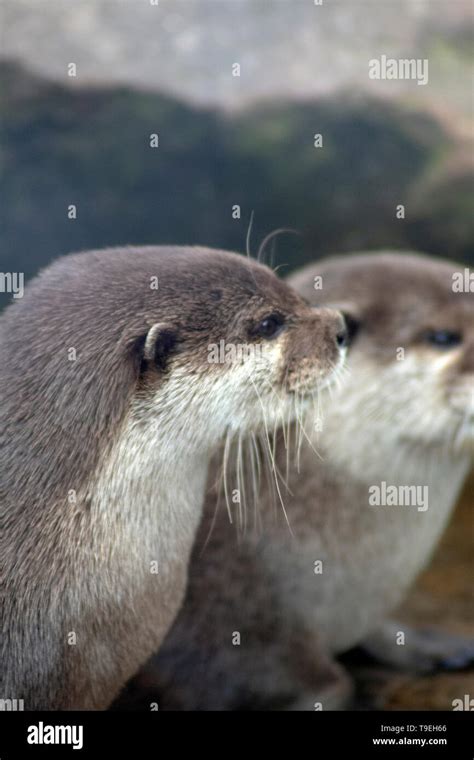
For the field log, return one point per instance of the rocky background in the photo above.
(166, 69)
(147, 67)
(91, 148)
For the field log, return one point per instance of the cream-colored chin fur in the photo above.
(147, 497)
(382, 420)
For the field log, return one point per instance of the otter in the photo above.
(404, 417)
(110, 411)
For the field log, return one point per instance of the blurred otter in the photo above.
(265, 617)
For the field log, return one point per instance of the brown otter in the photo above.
(403, 417)
(110, 410)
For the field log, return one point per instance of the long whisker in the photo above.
(303, 428)
(255, 468)
(301, 431)
(241, 486)
(249, 232)
(219, 485)
(288, 438)
(317, 407)
(270, 455)
(226, 487)
(273, 234)
(216, 487)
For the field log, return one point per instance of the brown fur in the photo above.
(263, 586)
(67, 566)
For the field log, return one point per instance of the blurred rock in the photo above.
(91, 148)
(442, 205)
(293, 49)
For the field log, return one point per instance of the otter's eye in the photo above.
(269, 327)
(443, 338)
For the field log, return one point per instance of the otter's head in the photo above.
(411, 361)
(117, 361)
(228, 347)
(185, 345)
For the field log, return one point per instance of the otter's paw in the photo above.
(419, 650)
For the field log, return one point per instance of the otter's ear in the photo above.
(158, 344)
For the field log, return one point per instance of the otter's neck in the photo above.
(380, 548)
(130, 565)
(148, 496)
(372, 553)
(369, 458)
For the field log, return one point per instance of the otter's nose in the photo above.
(338, 328)
(334, 326)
